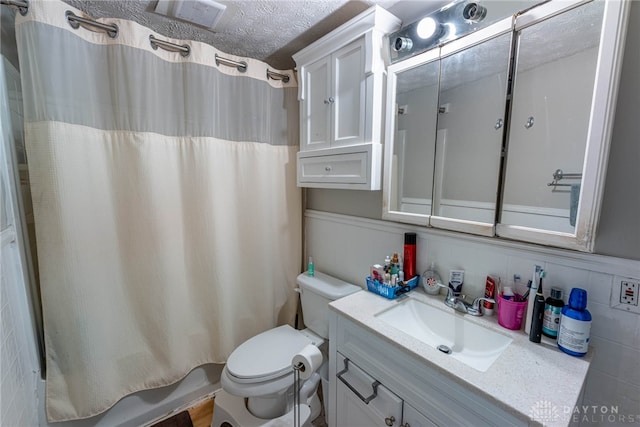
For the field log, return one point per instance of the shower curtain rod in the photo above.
(112, 30)
(23, 6)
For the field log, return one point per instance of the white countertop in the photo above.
(525, 378)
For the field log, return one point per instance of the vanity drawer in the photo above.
(362, 400)
(348, 168)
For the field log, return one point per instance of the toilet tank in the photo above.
(316, 293)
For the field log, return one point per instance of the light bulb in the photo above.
(426, 27)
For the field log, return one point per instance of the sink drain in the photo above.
(445, 349)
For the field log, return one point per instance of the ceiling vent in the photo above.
(205, 13)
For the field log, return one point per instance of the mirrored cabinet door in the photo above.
(550, 119)
(566, 69)
(473, 92)
(411, 126)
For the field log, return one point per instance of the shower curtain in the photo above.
(168, 220)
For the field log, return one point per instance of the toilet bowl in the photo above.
(260, 370)
(230, 411)
(257, 380)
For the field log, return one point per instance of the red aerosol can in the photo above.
(409, 265)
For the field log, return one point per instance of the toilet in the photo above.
(257, 381)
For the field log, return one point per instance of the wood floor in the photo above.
(202, 413)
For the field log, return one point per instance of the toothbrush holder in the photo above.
(510, 312)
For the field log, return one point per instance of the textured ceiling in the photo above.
(269, 30)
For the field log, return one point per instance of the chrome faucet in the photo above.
(459, 304)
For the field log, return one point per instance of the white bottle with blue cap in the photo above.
(575, 324)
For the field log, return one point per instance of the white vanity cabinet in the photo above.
(409, 394)
(341, 104)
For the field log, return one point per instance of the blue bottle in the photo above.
(575, 324)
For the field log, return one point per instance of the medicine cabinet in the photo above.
(505, 131)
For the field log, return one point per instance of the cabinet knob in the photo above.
(329, 101)
(405, 425)
(499, 124)
(390, 420)
(327, 168)
(529, 123)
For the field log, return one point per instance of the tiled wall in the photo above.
(345, 246)
(18, 400)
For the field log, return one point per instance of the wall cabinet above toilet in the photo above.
(341, 104)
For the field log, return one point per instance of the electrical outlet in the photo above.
(629, 292)
(624, 295)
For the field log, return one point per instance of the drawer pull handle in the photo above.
(366, 400)
(390, 420)
(327, 168)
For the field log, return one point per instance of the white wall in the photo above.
(345, 247)
(619, 230)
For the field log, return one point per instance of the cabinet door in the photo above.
(412, 418)
(562, 114)
(348, 108)
(351, 411)
(317, 106)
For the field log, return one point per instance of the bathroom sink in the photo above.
(451, 333)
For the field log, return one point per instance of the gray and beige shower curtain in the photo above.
(168, 220)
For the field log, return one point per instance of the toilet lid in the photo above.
(267, 355)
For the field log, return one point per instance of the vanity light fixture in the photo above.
(450, 22)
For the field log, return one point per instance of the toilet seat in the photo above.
(266, 356)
